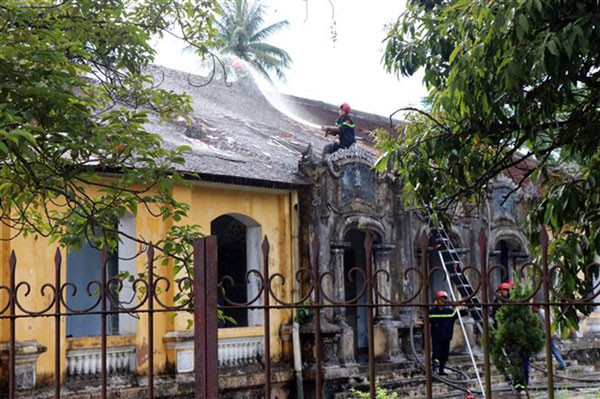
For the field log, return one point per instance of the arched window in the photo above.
(508, 254)
(83, 266)
(239, 242)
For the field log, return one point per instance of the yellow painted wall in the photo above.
(4, 280)
(269, 208)
(35, 265)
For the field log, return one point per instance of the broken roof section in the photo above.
(237, 136)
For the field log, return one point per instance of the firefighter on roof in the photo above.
(344, 129)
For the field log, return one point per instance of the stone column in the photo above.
(381, 254)
(338, 290)
(336, 287)
(386, 330)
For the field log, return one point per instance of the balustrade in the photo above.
(88, 362)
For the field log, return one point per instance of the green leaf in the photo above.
(552, 47)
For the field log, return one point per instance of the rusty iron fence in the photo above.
(314, 280)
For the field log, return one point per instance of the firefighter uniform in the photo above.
(344, 129)
(441, 320)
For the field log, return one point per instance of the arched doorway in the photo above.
(355, 263)
(239, 239)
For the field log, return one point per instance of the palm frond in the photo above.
(241, 32)
(255, 17)
(259, 67)
(269, 30)
(275, 52)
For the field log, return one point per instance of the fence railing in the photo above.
(316, 282)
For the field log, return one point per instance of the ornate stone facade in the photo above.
(346, 201)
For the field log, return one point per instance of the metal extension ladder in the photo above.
(452, 267)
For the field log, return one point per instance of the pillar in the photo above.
(382, 253)
(387, 347)
(336, 287)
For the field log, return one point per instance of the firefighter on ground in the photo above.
(441, 320)
(344, 129)
(502, 296)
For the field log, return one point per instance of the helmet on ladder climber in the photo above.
(441, 294)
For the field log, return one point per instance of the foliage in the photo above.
(74, 99)
(514, 89)
(380, 393)
(303, 313)
(518, 333)
(241, 32)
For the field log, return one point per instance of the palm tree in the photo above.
(241, 32)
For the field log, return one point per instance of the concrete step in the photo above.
(408, 381)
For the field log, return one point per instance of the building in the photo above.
(256, 172)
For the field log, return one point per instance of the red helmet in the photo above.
(345, 107)
(510, 282)
(504, 286)
(441, 294)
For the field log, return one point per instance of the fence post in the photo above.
(317, 316)
(424, 242)
(151, 292)
(267, 318)
(57, 334)
(370, 322)
(103, 260)
(12, 347)
(205, 318)
(546, 281)
(212, 343)
(199, 320)
(482, 241)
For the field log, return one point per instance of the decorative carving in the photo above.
(26, 355)
(503, 201)
(309, 156)
(353, 153)
(357, 180)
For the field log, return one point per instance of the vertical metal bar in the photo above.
(13, 320)
(199, 320)
(103, 260)
(370, 321)
(482, 241)
(267, 318)
(317, 315)
(546, 281)
(212, 345)
(151, 293)
(426, 328)
(57, 332)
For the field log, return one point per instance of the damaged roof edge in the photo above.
(226, 179)
(245, 181)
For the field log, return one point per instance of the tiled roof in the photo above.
(237, 133)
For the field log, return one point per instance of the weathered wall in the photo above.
(271, 209)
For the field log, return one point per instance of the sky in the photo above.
(346, 68)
